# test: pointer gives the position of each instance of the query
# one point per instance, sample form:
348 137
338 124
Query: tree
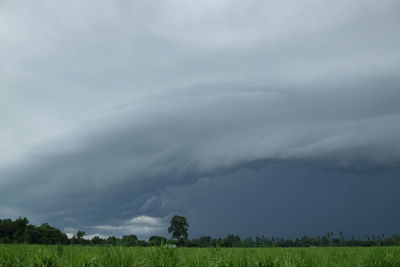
21 224
231 241
205 241
78 238
248 242
97 241
113 241
157 240
80 234
179 228
129 240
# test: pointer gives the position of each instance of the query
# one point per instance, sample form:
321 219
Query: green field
38 255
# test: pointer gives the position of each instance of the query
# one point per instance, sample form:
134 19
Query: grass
75 256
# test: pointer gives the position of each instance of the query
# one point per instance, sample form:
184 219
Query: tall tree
179 228
80 234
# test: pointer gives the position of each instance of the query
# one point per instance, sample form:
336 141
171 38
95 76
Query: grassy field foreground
48 256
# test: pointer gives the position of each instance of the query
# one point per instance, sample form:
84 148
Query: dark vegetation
20 231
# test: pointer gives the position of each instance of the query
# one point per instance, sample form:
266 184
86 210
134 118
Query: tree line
21 231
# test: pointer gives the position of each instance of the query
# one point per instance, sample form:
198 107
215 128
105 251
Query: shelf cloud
111 112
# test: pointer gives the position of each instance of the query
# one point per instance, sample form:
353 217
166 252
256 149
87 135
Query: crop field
49 256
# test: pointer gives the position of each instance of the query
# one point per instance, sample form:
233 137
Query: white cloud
90 237
146 220
143 226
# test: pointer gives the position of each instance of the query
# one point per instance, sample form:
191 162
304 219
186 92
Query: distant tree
7 230
44 234
78 238
129 240
113 241
231 241
21 224
80 234
248 242
157 240
141 243
204 241
97 241
179 229
20 231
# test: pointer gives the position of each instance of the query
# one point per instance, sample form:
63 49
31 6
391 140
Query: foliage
129 240
157 240
20 231
179 228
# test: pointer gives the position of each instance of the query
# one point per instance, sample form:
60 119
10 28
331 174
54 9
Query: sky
279 118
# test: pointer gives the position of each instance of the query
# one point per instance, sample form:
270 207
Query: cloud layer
110 105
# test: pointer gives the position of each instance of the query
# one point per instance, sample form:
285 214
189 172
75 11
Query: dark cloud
128 109
289 199
111 170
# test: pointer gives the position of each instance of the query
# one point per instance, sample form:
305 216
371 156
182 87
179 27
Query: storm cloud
114 112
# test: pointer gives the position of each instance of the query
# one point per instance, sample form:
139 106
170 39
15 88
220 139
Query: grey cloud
114 166
106 105
69 63
289 200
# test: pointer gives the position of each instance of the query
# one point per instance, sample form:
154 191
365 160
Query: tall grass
75 256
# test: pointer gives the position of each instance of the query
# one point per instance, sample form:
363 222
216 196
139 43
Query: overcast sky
249 117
